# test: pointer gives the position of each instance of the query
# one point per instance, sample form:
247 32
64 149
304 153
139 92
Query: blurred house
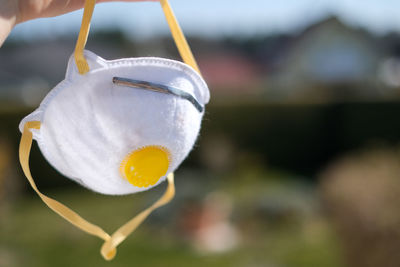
28 70
329 61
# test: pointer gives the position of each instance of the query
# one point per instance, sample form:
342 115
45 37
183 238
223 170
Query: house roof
229 70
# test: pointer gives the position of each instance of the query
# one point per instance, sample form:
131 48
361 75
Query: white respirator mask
118 127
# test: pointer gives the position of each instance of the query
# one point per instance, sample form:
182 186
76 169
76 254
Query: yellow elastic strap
80 60
179 37
108 249
124 231
177 34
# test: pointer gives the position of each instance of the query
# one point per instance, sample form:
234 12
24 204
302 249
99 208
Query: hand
13 12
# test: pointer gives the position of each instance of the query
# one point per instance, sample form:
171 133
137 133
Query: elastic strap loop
81 63
176 31
108 249
179 37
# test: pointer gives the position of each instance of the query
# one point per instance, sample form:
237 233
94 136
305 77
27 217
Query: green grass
32 235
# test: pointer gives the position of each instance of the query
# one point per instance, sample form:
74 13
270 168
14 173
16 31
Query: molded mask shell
89 125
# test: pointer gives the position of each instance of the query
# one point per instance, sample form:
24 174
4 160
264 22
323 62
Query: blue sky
222 17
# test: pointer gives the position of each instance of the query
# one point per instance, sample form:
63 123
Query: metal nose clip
158 88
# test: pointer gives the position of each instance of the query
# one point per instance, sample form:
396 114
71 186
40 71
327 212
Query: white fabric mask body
89 125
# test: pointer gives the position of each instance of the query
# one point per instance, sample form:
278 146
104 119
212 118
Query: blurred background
298 161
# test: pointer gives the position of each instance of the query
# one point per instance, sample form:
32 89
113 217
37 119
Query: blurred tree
362 194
